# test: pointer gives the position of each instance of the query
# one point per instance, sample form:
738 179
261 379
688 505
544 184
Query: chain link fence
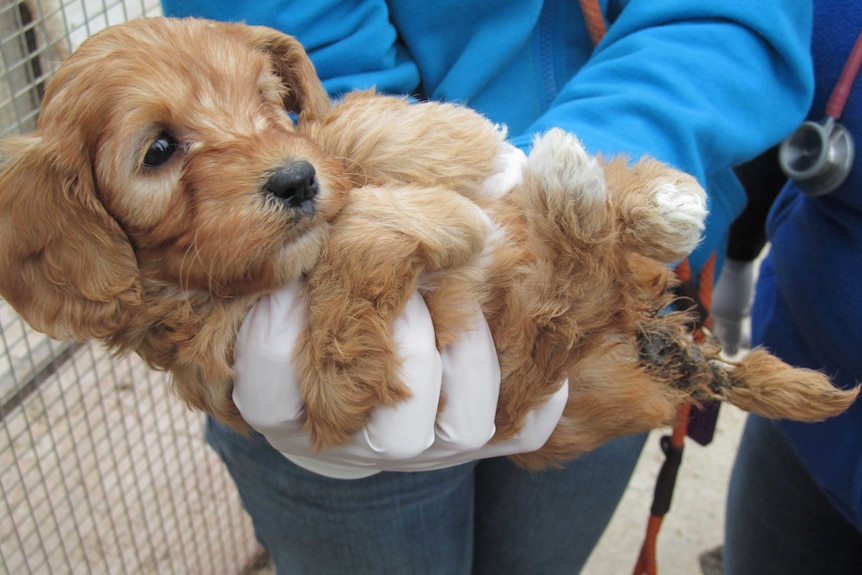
102 470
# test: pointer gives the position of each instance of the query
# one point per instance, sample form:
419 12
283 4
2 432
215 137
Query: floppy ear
65 264
305 94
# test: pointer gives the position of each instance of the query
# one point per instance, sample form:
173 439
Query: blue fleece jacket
807 307
703 85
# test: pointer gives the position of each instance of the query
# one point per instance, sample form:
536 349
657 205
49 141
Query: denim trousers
486 518
778 520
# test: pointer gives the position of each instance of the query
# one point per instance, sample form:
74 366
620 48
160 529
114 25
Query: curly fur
166 261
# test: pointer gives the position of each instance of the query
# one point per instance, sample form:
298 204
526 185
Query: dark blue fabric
807 307
778 520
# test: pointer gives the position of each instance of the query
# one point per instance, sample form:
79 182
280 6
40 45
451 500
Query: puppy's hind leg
567 285
564 194
662 209
570 227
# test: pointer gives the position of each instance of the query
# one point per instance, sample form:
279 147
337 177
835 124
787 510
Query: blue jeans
485 518
778 520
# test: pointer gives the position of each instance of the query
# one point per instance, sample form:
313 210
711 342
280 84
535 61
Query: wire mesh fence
102 470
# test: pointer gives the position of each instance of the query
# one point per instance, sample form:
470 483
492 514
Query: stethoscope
818 156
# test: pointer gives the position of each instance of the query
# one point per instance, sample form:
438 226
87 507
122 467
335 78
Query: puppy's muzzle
295 184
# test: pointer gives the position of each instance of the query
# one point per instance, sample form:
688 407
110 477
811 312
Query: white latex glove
409 436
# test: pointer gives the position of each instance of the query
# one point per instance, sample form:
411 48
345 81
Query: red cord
848 75
647 564
647 561
595 20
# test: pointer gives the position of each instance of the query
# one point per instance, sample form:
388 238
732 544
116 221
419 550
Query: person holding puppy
700 85
795 497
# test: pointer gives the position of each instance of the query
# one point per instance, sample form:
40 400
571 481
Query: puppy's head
165 155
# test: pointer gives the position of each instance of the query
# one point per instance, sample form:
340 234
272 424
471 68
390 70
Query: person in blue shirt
701 85
795 497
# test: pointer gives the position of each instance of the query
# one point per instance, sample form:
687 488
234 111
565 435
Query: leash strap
700 293
672 446
595 19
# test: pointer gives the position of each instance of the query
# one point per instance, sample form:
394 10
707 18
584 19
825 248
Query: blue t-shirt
700 84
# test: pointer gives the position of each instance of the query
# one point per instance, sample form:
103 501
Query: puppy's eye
160 151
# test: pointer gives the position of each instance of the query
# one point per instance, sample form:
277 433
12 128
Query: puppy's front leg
385 241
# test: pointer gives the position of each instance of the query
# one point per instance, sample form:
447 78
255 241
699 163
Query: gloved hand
410 436
731 304
406 437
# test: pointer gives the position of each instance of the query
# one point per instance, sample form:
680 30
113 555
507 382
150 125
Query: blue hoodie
701 84
807 304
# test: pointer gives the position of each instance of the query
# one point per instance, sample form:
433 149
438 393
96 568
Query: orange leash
672 447
700 293
595 19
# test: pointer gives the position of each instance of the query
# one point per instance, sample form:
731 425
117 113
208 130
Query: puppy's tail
760 383
763 384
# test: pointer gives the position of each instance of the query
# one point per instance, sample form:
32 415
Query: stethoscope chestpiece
818 156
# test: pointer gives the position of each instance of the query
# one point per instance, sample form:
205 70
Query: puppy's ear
305 94
65 264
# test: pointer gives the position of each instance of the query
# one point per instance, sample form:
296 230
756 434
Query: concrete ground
696 518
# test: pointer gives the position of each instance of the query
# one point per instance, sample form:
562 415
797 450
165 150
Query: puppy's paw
562 162
346 354
680 215
662 210
571 181
339 398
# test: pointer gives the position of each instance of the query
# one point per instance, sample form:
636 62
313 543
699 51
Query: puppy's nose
295 183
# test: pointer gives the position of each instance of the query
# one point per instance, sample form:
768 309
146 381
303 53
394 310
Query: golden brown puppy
163 193
167 189
572 280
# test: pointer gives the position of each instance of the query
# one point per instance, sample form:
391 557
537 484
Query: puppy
184 168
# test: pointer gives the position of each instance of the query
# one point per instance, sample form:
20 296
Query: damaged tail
759 383
763 384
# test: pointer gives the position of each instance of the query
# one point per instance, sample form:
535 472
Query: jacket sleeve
701 85
353 44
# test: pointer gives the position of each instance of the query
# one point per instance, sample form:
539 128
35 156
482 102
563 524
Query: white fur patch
510 164
683 210
494 239
563 162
